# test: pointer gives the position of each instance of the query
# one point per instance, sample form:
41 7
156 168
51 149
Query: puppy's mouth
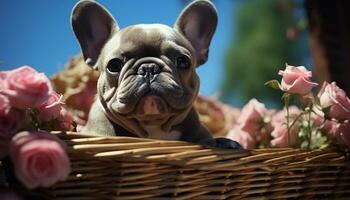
152 110
151 105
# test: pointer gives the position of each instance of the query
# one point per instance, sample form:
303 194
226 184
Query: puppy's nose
148 69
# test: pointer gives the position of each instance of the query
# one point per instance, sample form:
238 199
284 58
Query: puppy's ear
93 25
197 22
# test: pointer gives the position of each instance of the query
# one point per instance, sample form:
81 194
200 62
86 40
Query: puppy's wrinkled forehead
146 40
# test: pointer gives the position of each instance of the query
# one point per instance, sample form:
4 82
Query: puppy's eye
115 65
183 62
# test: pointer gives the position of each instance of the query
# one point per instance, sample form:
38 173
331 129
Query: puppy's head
148 73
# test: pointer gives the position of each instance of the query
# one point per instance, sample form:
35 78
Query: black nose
148 69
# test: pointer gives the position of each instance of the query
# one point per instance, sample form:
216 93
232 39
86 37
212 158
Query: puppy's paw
224 143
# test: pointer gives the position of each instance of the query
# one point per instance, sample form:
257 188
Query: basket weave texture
138 168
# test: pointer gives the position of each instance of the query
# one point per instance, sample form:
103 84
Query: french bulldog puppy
148 79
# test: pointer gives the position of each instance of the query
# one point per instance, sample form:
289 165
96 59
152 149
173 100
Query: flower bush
28 102
319 121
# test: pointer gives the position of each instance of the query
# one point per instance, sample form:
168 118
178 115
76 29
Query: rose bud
296 80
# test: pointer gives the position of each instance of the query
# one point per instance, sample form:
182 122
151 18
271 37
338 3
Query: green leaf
274 84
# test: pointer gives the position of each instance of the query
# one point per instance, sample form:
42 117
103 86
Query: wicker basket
138 168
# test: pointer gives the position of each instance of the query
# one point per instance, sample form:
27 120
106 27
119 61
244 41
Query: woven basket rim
132 168
185 154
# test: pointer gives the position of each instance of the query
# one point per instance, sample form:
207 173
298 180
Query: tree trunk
329 26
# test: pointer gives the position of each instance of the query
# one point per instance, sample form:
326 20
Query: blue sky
38 33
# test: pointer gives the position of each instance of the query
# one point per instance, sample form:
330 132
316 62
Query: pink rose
39 159
343 134
334 98
280 136
251 120
11 122
242 137
64 121
252 115
51 108
25 87
296 80
331 128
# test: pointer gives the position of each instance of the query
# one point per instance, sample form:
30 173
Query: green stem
309 128
286 104
34 118
296 119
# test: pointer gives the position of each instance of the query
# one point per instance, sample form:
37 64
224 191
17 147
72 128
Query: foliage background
268 34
